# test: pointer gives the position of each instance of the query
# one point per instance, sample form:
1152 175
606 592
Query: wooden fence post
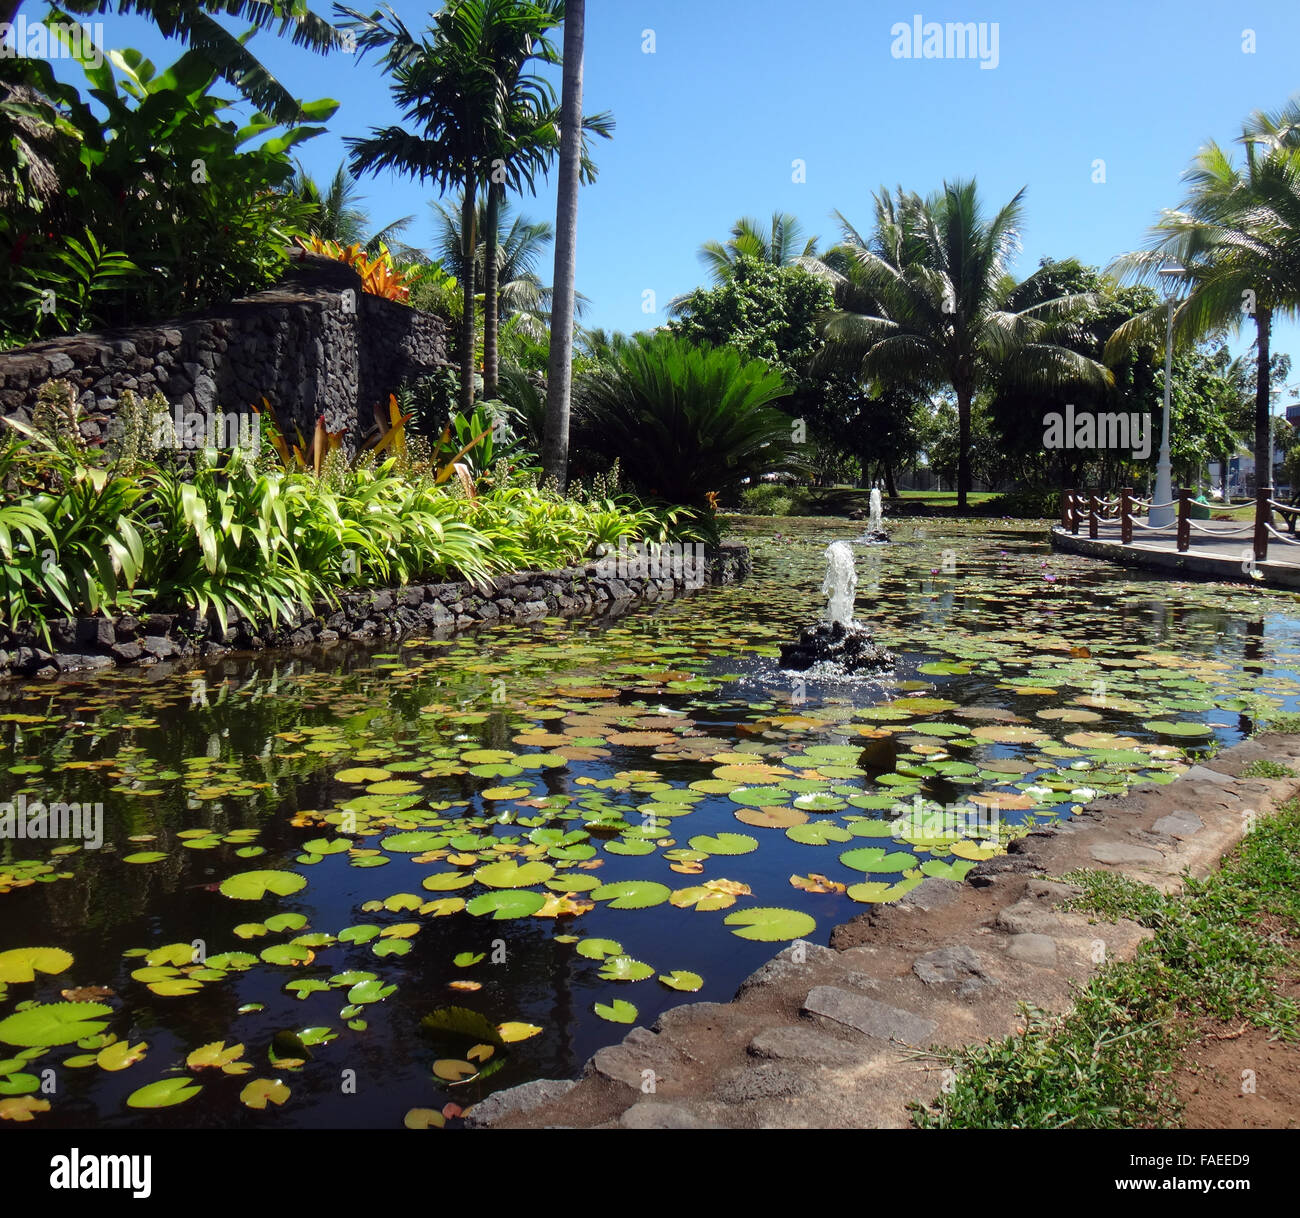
1184 519
1126 515
1065 511
1092 517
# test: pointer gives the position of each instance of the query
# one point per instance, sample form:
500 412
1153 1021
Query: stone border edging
839 1036
93 644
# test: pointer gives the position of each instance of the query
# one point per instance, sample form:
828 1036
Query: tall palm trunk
491 305
963 445
1263 387
8 11
467 244
555 446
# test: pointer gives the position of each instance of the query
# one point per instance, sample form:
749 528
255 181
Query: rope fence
1079 507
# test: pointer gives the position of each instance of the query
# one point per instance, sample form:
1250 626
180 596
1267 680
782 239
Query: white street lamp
1160 517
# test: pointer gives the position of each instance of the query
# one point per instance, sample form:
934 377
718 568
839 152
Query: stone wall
305 345
89 644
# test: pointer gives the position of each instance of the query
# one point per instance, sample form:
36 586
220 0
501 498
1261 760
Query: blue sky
711 122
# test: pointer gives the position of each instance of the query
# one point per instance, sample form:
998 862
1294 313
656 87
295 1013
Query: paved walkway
1219 549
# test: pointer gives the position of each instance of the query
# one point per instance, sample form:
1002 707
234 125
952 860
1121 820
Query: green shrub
83 531
170 200
1025 505
686 421
766 499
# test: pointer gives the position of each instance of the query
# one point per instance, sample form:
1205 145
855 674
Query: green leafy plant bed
473 861
264 538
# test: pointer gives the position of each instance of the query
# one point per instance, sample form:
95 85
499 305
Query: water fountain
838 641
875 533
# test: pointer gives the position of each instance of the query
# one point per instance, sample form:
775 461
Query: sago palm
684 420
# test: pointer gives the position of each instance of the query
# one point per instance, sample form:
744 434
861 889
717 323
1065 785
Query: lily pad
770 925
254 885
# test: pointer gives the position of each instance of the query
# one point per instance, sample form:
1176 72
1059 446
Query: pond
397 878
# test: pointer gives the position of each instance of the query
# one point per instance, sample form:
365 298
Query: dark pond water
528 769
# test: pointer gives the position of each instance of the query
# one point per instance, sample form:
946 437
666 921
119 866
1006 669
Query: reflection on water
1023 677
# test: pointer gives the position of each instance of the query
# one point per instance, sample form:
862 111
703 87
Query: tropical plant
224 537
929 302
92 549
159 176
685 421
1233 249
340 218
448 86
379 275
779 245
559 374
193 23
72 281
524 403
520 243
223 543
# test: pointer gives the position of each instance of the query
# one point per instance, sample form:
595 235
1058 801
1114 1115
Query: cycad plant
685 421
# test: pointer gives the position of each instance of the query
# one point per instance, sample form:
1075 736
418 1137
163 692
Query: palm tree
449 85
1236 239
340 218
192 22
779 245
520 243
936 305
559 386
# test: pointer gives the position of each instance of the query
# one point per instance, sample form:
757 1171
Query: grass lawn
945 497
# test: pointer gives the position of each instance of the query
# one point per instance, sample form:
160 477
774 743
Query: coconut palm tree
937 306
779 244
1236 239
520 244
339 216
559 385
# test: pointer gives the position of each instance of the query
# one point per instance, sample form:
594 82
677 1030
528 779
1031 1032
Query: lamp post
1161 517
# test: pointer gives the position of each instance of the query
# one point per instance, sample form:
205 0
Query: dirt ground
1236 1077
